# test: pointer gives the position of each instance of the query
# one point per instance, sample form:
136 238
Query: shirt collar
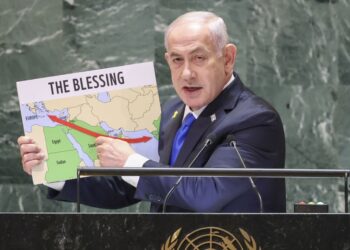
197 113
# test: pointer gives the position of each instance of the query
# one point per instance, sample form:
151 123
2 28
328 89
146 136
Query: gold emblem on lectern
210 238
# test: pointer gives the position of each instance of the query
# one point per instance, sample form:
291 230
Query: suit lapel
208 119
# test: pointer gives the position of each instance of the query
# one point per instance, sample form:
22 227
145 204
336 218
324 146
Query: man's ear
230 57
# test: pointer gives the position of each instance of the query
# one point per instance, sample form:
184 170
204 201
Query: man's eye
199 58
177 60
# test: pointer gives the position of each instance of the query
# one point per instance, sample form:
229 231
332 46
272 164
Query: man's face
198 73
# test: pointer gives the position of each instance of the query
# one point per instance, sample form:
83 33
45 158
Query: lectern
146 231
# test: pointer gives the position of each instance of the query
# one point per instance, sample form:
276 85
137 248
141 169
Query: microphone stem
252 183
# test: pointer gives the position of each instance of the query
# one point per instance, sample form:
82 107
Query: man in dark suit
212 104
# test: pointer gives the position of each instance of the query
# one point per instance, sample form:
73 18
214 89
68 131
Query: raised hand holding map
64 115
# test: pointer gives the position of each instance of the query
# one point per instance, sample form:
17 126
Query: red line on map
94 134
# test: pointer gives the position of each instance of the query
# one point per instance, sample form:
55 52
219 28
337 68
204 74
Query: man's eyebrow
199 49
196 50
174 54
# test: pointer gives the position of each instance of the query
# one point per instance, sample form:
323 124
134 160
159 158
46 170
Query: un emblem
210 238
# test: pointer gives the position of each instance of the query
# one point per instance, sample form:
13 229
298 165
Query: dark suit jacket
258 131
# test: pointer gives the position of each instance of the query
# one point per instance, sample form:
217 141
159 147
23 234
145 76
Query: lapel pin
175 114
213 117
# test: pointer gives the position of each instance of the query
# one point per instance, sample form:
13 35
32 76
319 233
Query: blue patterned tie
180 137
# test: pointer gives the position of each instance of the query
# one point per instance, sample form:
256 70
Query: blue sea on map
104 97
41 116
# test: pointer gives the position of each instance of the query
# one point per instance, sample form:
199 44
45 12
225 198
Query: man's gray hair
216 25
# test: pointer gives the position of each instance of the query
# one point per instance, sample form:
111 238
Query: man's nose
187 72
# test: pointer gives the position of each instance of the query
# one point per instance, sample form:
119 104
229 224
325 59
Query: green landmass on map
86 142
63 166
155 132
63 158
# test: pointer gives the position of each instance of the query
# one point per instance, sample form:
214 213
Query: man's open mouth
191 89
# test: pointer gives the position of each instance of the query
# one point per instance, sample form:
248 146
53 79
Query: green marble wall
295 53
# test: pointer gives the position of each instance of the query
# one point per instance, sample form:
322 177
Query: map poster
64 114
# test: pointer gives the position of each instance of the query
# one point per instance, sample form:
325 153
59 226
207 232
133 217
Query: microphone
232 142
210 140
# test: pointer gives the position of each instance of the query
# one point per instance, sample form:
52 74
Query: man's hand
112 152
32 155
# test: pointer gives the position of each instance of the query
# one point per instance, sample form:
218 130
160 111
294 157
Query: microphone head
211 138
230 138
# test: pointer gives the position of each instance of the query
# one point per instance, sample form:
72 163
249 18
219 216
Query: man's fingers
29 148
101 139
103 143
112 152
29 165
31 160
24 140
27 145
33 156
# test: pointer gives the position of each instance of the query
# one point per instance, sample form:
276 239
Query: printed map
66 128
